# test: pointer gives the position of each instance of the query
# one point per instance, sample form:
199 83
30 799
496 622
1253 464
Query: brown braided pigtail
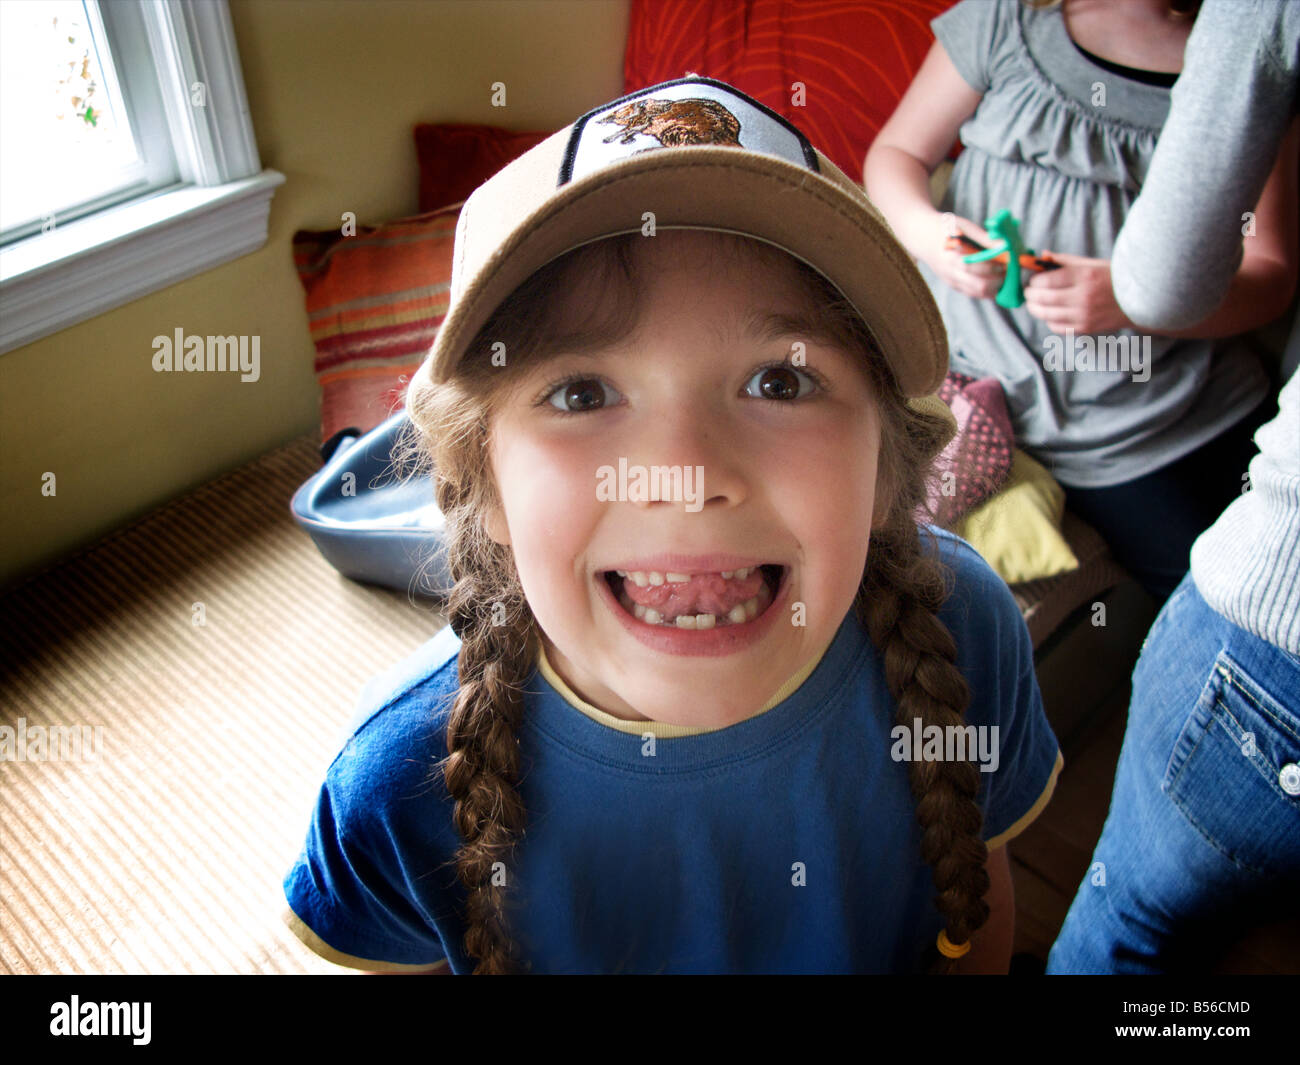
898 602
487 610
482 764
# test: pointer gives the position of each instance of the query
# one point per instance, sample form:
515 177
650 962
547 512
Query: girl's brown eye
576 396
777 382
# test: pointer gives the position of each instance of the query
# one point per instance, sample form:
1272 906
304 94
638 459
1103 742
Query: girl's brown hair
898 597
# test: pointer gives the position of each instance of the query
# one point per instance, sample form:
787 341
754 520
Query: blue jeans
1203 836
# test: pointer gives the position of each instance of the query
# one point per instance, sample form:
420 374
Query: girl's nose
696 438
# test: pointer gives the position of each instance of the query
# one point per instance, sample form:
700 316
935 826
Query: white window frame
219 213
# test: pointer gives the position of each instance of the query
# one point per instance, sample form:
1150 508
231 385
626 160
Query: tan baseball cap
693 154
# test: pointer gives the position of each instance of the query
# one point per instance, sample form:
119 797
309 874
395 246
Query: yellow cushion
1018 531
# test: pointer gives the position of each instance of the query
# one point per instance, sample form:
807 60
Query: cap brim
823 219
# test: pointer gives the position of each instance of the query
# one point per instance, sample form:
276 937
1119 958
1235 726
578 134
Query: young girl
742 717
1059 109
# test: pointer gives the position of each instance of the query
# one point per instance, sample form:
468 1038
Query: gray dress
1065 145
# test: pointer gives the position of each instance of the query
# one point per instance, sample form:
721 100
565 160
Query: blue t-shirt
786 843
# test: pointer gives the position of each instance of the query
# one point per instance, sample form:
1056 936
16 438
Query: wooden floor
1051 857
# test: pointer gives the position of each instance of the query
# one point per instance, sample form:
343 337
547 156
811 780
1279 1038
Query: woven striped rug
191 677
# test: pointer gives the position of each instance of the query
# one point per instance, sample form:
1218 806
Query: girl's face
775 433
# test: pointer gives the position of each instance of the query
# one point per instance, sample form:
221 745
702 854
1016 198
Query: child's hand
1078 297
980 281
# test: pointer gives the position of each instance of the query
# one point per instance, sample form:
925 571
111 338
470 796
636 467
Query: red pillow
457 159
854 59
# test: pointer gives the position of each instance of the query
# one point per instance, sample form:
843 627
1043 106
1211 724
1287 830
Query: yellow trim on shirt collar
662 729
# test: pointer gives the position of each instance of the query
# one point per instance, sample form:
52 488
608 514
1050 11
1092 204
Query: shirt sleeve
348 889
370 881
1181 243
972 33
1034 762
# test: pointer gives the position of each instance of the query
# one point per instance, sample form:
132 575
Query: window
69 142
127 159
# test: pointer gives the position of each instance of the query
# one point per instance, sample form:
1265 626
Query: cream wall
334 87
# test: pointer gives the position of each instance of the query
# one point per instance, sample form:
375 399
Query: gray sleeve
1181 243
972 34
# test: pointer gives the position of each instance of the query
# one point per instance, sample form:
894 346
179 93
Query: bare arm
897 170
990 951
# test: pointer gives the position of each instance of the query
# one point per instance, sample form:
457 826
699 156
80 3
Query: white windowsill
77 271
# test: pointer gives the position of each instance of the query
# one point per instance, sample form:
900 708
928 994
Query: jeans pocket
1229 765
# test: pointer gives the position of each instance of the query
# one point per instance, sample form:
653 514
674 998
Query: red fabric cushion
457 159
855 58
375 302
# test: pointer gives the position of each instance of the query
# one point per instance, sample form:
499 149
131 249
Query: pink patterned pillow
977 461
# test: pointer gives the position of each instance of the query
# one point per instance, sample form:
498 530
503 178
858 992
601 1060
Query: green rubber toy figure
1006 228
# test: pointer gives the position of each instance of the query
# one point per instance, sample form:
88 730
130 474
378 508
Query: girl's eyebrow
804 325
591 343
777 326
758 325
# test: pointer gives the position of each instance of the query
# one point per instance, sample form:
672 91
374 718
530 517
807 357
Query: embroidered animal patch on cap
686 113
674 123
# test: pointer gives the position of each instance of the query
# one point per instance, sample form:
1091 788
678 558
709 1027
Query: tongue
704 593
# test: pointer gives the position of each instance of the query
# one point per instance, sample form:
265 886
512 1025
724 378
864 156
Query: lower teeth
738 614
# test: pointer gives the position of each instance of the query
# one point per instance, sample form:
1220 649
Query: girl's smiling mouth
696 600
695 611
